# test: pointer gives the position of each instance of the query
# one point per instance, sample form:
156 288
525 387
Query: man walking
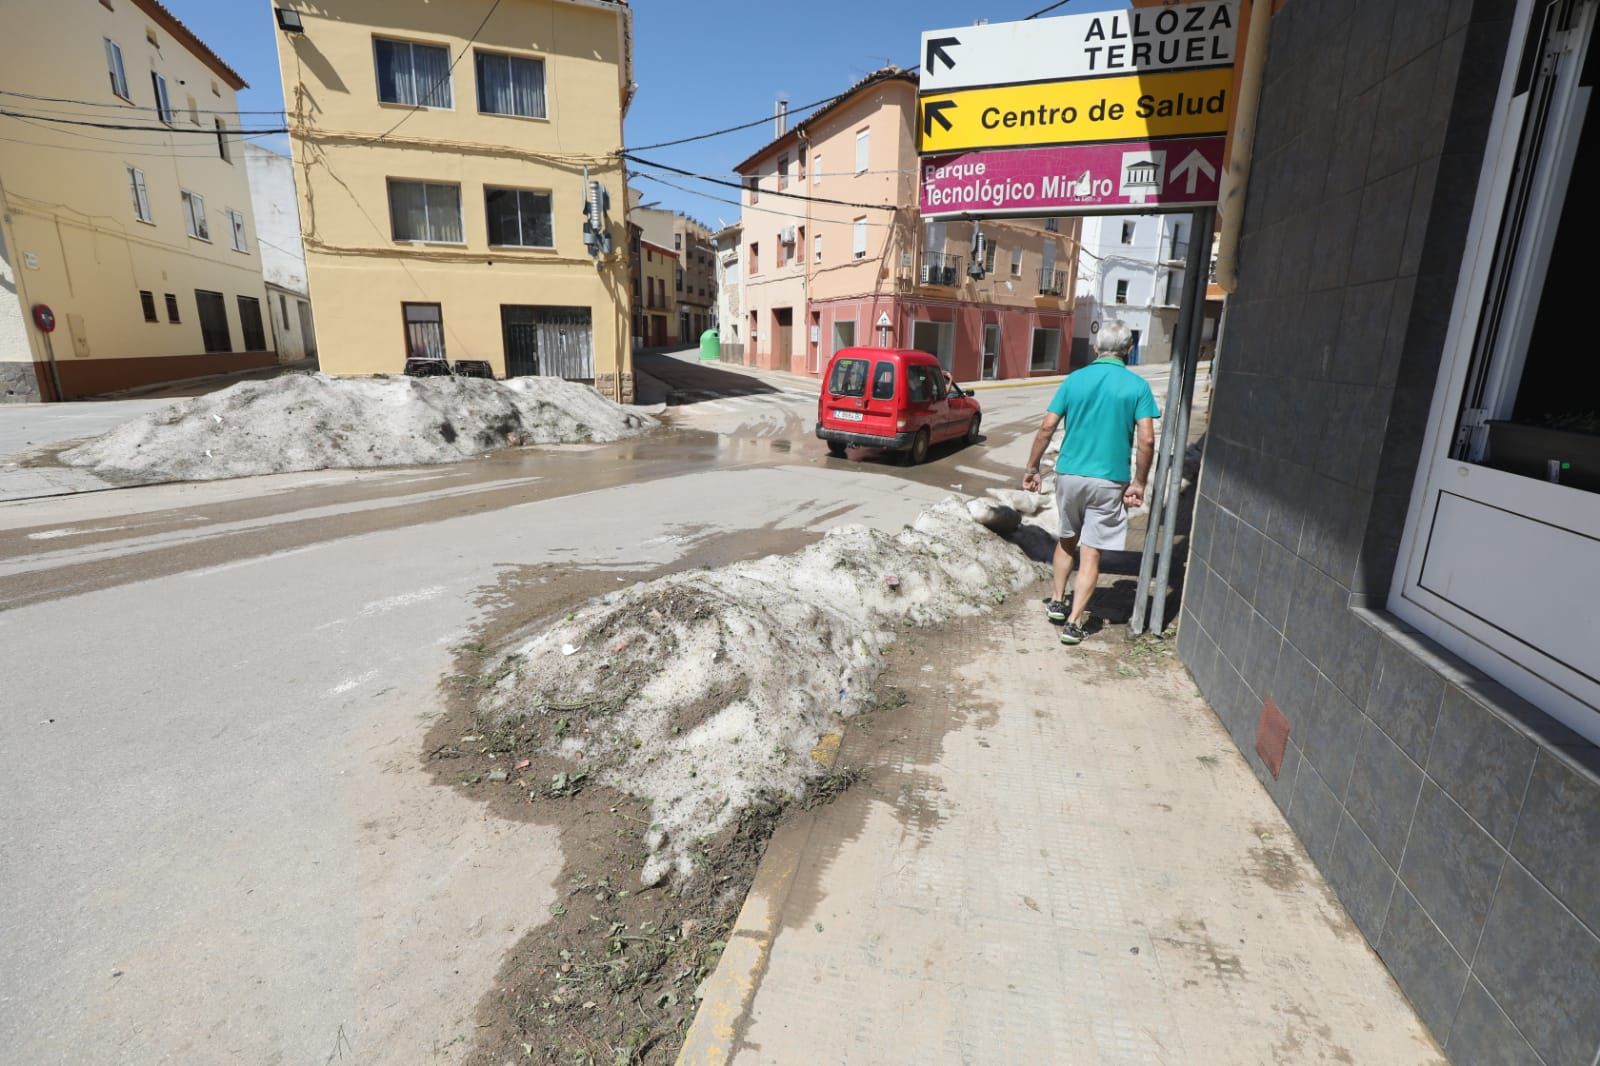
1106 407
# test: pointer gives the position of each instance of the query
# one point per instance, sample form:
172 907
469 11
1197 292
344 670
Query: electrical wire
735 203
1046 10
163 128
733 129
447 74
122 106
767 192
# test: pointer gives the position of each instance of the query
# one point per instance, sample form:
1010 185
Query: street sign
44 318
884 321
1182 103
1077 179
1094 45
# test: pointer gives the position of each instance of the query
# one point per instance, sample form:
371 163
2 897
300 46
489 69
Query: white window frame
549 194
1556 687
118 70
1033 340
236 233
1130 233
816 248
158 82
858 234
983 354
863 150
816 168
509 57
1016 261
141 196
194 216
448 83
461 211
1123 285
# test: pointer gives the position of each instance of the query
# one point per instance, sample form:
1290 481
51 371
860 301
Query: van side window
883 381
919 385
939 391
849 378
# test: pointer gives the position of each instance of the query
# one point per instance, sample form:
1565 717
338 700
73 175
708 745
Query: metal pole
1205 221
1155 493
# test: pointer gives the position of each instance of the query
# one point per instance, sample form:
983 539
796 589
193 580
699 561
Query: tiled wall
1459 825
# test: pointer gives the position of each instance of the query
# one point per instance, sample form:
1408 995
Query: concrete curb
731 988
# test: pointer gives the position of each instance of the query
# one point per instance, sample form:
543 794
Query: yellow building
139 241
658 266
441 169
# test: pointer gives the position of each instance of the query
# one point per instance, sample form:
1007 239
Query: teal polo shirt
1101 404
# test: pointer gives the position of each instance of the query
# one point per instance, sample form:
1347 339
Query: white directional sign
1095 45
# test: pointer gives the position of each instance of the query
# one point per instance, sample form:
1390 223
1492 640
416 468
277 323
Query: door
550 341
814 344
782 336
213 321
935 338
991 352
306 332
844 336
925 409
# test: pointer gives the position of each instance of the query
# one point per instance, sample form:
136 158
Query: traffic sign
1182 103
1095 45
1076 179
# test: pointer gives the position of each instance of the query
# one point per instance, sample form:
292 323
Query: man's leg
1088 575
1066 556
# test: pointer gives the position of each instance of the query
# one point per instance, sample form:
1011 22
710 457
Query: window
163 101
424 330
519 218
255 334
417 75
1122 291
991 352
1046 349
119 74
147 300
172 308
1174 288
816 169
1127 232
755 258
511 85
883 381
213 321
1052 225
858 249
800 244
426 213
919 384
151 38
849 378
800 166
990 251
678 271
816 248
863 150
222 140
844 335
236 231
194 110
753 182
677 242
783 172
194 215
1016 261
141 196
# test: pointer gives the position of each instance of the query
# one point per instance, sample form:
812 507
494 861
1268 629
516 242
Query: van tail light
901 424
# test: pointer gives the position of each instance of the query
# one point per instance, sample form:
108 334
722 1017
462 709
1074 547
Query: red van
892 398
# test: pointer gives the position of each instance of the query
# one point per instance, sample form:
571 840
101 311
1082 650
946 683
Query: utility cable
765 192
1046 10
733 129
447 74
735 203
122 106
163 128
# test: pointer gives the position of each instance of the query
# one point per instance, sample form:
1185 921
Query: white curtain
444 213
430 68
413 74
510 85
408 211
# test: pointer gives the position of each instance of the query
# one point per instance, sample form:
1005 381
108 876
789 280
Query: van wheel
919 449
836 449
972 430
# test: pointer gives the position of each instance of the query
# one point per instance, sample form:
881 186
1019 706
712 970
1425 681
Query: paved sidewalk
1056 857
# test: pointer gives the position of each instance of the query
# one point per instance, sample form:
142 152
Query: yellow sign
1183 103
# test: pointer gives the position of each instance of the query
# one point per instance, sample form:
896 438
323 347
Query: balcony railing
1052 282
941 269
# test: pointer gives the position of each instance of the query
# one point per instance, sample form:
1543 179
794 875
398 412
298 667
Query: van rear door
860 395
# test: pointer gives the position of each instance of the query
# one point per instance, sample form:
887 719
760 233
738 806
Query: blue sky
700 64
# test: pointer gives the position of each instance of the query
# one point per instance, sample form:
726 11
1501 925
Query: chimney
780 117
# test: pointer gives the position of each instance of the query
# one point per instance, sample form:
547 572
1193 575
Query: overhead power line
123 106
735 203
126 127
1046 10
765 192
733 129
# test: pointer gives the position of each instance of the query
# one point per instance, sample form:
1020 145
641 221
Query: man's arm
1145 438
1041 441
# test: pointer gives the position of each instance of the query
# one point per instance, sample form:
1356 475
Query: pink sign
1105 178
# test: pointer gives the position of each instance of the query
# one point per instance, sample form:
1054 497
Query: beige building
442 183
136 244
867 270
658 265
730 293
694 290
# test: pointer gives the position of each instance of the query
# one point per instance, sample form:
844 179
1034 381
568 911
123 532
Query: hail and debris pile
707 691
315 422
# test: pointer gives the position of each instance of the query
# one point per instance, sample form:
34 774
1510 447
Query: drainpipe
1236 180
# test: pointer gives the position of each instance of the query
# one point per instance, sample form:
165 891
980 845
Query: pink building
836 255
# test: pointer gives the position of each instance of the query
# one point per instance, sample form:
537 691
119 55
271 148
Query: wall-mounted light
289 20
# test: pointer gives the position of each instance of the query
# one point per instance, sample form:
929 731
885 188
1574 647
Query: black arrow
936 50
934 112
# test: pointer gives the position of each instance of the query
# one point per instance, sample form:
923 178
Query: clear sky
700 64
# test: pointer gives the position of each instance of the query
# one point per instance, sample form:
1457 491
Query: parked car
893 398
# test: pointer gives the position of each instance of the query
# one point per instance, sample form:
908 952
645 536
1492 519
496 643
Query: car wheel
919 449
836 449
972 430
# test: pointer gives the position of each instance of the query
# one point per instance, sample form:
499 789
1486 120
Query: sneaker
1074 632
1056 610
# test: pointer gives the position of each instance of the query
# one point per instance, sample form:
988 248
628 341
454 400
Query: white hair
1114 339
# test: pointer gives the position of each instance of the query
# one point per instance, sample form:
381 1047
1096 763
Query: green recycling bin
710 346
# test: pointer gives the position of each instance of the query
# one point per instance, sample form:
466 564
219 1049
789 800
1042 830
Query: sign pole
1205 223
1155 491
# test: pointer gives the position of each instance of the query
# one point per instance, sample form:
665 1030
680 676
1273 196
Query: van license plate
847 416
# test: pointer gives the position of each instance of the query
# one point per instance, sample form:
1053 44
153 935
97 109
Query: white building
1131 267
730 293
283 256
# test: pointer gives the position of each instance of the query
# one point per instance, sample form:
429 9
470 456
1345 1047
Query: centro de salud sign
1096 112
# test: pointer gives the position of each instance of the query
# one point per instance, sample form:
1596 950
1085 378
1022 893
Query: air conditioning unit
787 235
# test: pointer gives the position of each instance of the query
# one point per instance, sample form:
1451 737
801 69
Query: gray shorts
1092 510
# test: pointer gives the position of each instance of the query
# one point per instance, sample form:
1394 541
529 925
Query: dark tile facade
1458 825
